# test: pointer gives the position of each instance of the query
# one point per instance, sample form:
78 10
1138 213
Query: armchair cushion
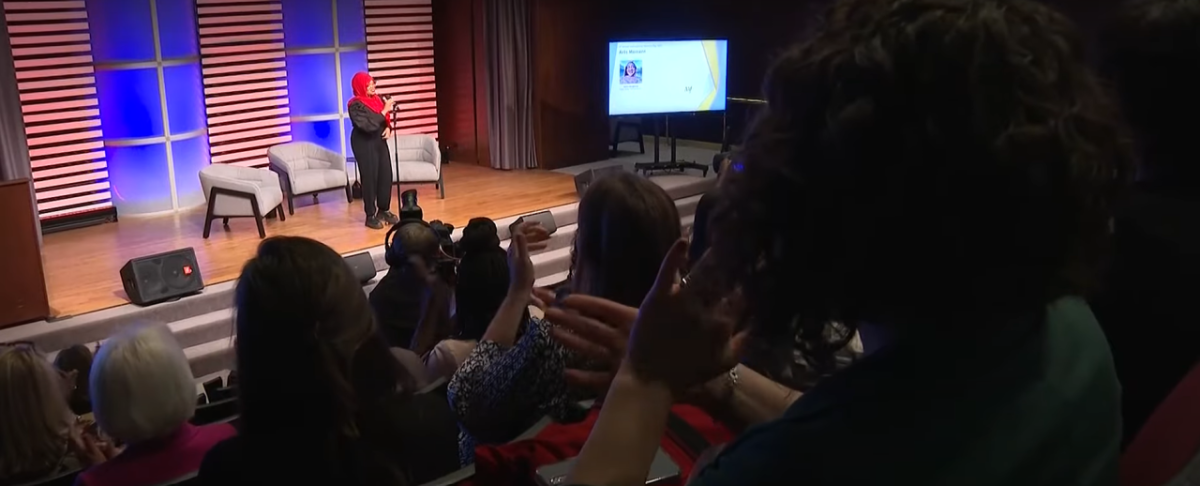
262 184
420 159
308 167
312 180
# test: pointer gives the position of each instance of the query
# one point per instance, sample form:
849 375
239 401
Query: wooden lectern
23 286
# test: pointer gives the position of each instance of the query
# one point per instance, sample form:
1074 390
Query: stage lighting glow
312 84
130 106
352 62
350 23
324 133
120 31
190 155
185 97
176 29
307 24
140 182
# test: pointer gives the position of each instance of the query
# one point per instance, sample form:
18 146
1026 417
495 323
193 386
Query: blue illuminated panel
349 149
323 133
352 62
177 29
312 84
190 155
185 97
130 106
350 22
307 23
140 182
120 30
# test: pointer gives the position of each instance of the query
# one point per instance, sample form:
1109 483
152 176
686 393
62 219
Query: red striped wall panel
245 83
400 57
52 53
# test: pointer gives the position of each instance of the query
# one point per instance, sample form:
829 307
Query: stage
82 265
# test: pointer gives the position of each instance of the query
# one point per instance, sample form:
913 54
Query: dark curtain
508 34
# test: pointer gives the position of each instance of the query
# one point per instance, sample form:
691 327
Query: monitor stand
672 165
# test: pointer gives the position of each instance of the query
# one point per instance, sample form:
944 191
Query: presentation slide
648 77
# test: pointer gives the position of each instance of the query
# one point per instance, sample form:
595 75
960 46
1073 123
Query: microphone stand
395 152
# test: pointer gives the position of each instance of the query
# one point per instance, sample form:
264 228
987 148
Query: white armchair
308 168
240 192
419 160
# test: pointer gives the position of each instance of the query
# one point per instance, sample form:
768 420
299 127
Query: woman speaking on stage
371 117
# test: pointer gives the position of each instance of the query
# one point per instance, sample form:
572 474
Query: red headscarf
359 84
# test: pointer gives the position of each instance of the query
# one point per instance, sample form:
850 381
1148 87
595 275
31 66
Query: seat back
216 411
415 148
1166 450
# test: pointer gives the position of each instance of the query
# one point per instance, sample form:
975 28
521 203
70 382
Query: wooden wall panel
570 89
245 80
400 58
52 54
462 110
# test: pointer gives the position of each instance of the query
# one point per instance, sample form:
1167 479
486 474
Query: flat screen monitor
656 77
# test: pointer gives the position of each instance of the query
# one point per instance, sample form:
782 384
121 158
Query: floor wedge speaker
161 277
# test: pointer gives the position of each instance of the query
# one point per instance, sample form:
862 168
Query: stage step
204 324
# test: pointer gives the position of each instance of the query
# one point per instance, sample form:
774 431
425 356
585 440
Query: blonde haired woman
143 394
37 425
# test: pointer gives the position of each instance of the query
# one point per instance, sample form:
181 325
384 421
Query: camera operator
413 294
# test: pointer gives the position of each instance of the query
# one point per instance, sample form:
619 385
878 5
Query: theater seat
1166 452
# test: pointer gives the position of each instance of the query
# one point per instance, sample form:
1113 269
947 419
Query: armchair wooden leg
208 216
225 222
349 194
258 218
279 210
441 185
291 208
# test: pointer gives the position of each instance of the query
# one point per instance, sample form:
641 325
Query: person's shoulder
765 454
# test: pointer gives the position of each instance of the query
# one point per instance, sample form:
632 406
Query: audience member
514 377
937 175
1153 57
704 209
482 285
144 395
75 363
38 433
322 399
410 292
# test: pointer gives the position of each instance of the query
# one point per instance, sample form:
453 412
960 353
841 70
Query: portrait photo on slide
631 71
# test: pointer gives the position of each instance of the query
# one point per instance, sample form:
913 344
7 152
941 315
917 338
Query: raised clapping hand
675 338
529 237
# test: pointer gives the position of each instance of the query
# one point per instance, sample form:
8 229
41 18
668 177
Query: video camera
411 213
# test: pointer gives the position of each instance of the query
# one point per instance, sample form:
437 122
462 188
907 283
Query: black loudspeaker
545 218
363 266
165 276
582 181
585 179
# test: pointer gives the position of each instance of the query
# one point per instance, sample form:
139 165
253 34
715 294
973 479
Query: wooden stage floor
82 265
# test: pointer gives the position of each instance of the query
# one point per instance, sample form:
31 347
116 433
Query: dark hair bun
479 235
